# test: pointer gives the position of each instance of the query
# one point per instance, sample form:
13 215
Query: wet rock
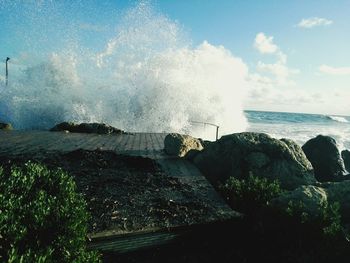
191 154
339 192
179 145
313 198
323 153
309 199
346 158
5 126
99 128
241 154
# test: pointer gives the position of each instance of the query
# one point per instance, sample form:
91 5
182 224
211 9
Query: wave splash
147 78
338 119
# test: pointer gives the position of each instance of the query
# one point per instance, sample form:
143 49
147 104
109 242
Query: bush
289 235
42 217
248 195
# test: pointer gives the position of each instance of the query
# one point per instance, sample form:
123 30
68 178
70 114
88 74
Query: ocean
300 127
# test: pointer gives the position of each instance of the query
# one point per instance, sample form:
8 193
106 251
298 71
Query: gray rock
314 197
241 154
179 145
257 159
323 153
339 192
191 154
311 197
346 158
5 126
99 128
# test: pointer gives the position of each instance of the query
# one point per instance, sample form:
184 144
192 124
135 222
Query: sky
297 52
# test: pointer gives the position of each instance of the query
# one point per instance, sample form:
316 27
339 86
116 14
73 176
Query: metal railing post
211 124
7 71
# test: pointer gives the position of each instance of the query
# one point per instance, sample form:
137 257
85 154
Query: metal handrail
211 124
7 71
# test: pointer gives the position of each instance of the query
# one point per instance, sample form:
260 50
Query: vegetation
42 217
289 235
249 194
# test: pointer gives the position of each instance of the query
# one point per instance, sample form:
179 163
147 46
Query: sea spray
147 77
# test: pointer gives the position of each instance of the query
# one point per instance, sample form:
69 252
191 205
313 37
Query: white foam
339 119
147 78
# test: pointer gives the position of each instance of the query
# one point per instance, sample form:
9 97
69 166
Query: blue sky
297 52
319 54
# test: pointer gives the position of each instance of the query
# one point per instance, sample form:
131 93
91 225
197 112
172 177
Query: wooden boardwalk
137 144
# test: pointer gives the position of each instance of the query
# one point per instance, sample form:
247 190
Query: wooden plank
142 144
134 241
130 242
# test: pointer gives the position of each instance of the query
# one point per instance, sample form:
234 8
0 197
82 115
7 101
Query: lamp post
7 71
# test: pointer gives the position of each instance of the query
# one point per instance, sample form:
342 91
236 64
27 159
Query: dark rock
312 198
99 128
339 192
64 126
179 145
241 154
5 126
205 143
323 153
346 158
191 154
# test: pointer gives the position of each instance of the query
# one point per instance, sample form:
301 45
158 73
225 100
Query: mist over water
144 76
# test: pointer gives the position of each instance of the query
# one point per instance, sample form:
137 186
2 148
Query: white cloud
279 70
268 95
314 21
265 44
334 70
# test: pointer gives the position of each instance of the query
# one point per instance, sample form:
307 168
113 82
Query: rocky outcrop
241 154
311 199
323 153
306 198
99 128
5 127
179 145
346 158
339 192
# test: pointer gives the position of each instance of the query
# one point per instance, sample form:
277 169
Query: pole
7 71
211 124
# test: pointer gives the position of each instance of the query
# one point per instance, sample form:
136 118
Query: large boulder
179 145
323 153
345 154
306 198
241 154
99 128
339 192
5 126
313 198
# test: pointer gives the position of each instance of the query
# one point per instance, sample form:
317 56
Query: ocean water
300 127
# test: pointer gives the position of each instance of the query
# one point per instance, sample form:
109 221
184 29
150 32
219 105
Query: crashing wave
147 78
338 119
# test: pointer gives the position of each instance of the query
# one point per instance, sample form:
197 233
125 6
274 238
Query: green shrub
247 195
289 235
42 217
